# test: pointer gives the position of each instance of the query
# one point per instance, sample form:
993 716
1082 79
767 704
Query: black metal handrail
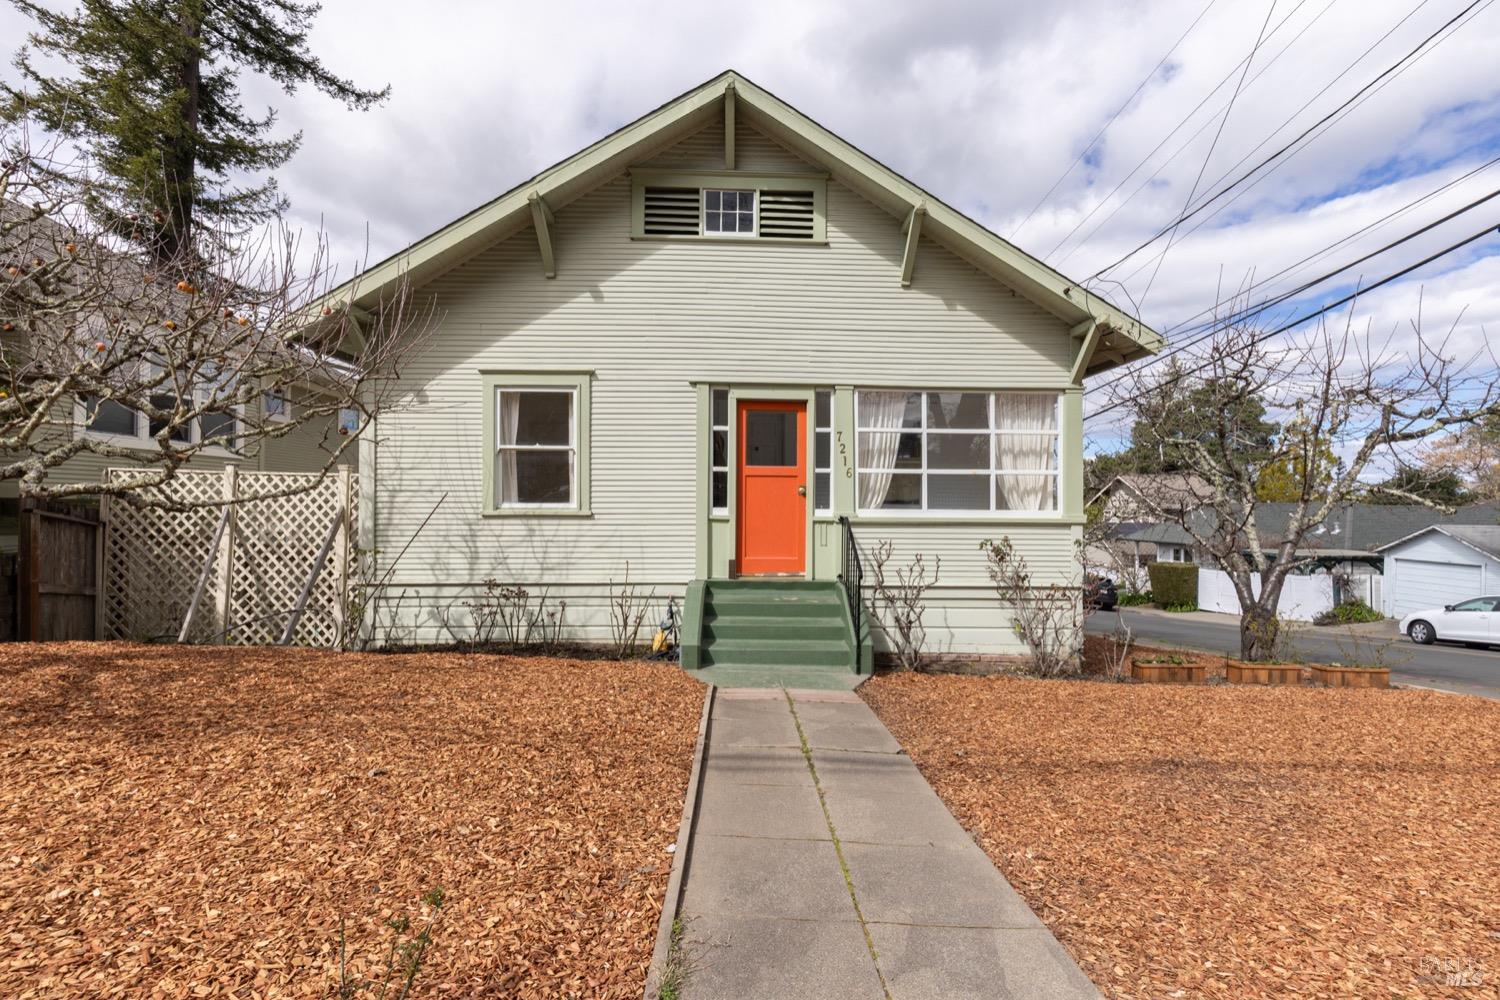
853 576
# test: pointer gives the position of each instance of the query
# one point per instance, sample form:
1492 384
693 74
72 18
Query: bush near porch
1224 841
180 821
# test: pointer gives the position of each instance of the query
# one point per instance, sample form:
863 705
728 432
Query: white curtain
1035 416
510 419
882 411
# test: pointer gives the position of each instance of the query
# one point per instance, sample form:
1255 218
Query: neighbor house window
134 428
823 452
278 407
956 452
348 421
729 213
536 448
719 451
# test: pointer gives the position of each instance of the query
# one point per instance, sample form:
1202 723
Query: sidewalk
822 865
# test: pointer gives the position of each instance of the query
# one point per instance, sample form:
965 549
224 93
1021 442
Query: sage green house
706 353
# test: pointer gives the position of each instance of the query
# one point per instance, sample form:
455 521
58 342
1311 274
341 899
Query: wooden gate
60 556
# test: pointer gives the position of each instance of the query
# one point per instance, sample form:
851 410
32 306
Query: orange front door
773 488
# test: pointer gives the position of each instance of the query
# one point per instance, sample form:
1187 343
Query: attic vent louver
671 211
787 215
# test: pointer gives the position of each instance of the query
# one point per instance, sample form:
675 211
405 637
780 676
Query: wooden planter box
1351 677
1190 672
1262 673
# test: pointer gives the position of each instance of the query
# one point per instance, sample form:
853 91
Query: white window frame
822 430
574 482
280 395
142 438
992 431
728 448
736 235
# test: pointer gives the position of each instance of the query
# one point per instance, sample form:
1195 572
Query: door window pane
771 438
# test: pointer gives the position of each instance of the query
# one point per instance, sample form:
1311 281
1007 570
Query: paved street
1444 666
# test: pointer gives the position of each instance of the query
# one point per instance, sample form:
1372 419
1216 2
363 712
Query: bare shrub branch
899 601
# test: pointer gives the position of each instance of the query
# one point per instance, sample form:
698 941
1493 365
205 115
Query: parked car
1099 593
1475 621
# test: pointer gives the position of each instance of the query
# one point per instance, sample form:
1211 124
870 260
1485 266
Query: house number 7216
843 455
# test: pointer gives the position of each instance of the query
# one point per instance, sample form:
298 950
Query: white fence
248 561
1302 597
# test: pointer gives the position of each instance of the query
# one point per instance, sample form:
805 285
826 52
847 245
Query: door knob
802 491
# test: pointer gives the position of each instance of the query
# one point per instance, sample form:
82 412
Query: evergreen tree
153 94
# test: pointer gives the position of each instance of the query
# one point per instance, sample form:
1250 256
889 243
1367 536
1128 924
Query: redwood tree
151 93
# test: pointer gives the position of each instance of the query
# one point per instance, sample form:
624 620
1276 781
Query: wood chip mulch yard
196 822
1229 842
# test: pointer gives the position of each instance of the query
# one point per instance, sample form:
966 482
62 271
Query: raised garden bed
1170 669
1237 672
204 821
1334 675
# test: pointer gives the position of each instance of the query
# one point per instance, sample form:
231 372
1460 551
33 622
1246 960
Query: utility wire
1118 112
1248 312
1261 338
1344 114
1228 110
1276 155
1147 182
1182 124
1292 268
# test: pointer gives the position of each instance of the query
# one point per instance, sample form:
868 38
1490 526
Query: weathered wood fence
59 554
243 566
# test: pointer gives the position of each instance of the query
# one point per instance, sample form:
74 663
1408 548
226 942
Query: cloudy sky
991 105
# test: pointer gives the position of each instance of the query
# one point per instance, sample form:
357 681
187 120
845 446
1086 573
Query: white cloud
984 103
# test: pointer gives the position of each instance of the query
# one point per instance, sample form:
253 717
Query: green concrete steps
769 624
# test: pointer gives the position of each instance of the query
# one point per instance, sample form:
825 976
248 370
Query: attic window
784 208
729 213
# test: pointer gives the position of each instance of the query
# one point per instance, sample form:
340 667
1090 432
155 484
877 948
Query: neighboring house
304 448
682 355
1137 519
1439 565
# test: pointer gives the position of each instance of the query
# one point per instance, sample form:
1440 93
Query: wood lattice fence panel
257 572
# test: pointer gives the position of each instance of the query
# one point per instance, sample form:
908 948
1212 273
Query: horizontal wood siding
649 318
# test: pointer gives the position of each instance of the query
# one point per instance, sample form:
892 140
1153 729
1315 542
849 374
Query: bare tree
176 359
1336 390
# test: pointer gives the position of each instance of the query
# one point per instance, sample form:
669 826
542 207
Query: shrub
1179 608
1174 583
1133 598
901 600
1047 617
1347 614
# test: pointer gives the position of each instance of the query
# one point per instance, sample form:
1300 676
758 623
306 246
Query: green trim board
580 382
1125 337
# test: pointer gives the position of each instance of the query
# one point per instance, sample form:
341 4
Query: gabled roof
1160 488
1484 538
1113 336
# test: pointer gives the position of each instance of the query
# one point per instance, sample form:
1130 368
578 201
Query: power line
1185 119
1119 111
1146 183
1228 110
1276 155
1261 338
1340 116
1242 315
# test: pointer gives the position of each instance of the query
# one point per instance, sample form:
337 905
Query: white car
1474 621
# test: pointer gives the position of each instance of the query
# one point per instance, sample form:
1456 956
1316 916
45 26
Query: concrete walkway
822 865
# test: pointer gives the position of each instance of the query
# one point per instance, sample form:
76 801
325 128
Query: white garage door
1421 585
